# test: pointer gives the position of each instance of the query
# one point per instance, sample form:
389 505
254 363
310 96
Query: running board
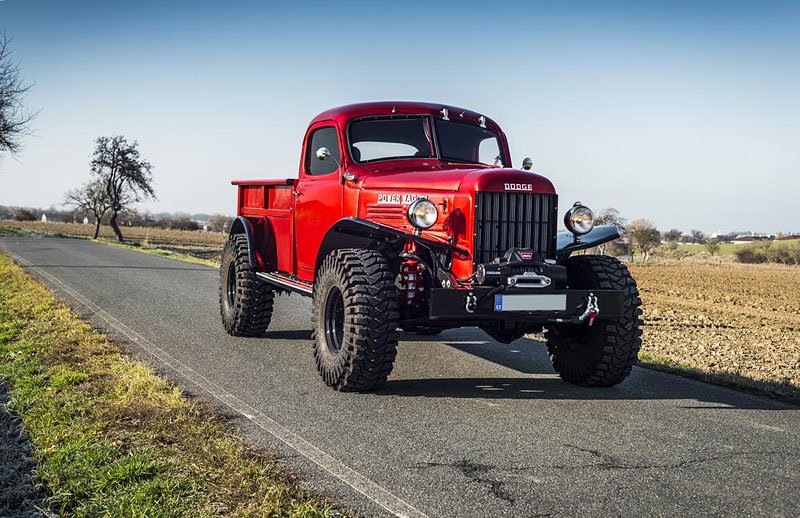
287 283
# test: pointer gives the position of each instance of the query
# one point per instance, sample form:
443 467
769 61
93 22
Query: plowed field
738 323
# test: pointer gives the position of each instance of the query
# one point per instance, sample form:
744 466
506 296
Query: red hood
449 178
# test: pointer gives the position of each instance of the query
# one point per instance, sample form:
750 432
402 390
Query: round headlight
579 219
422 213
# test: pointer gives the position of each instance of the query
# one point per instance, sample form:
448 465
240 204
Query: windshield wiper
461 161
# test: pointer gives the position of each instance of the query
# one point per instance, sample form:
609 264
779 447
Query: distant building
749 238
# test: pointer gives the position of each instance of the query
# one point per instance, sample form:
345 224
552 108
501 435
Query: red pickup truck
409 216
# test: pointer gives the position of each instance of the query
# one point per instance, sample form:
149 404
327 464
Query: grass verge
111 438
780 391
180 253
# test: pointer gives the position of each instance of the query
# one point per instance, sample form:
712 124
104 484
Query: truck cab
410 216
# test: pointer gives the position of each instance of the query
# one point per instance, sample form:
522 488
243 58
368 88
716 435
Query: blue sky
686 113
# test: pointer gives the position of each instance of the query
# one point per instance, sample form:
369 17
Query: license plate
542 302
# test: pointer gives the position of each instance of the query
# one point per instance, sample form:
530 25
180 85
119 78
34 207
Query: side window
323 137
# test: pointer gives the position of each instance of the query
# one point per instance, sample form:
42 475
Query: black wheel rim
334 320
230 286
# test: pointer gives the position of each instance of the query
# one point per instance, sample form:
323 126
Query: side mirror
527 164
323 153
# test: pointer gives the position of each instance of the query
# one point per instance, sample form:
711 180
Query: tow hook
592 310
472 303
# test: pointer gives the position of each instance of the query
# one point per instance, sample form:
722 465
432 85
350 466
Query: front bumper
481 303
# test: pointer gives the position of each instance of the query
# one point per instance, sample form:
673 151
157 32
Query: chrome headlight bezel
579 219
422 213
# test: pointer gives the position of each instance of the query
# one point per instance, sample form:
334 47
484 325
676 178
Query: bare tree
127 177
90 197
644 237
14 120
610 216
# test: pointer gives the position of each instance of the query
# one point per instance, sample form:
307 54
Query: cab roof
344 114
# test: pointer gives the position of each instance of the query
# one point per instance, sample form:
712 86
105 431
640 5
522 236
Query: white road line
378 494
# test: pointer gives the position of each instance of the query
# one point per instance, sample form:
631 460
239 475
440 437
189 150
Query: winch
521 268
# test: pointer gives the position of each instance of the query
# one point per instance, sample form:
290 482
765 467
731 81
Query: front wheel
355 320
603 354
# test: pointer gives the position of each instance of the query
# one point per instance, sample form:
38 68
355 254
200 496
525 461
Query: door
318 198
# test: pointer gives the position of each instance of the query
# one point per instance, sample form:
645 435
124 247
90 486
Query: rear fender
567 242
242 225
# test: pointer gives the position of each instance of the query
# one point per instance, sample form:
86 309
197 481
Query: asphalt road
464 427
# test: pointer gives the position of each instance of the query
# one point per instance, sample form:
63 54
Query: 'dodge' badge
518 186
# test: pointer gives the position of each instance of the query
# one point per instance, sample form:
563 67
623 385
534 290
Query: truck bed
269 206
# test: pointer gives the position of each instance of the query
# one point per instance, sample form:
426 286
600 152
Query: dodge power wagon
409 216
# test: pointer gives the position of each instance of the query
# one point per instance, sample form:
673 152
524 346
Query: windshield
461 142
393 138
386 139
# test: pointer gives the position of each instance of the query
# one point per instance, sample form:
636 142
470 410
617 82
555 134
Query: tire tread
369 347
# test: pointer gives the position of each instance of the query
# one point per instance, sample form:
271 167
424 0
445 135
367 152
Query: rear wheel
603 354
245 300
355 318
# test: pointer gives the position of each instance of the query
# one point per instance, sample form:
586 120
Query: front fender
354 232
566 243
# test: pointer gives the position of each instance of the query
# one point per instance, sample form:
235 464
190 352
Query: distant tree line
696 237
640 238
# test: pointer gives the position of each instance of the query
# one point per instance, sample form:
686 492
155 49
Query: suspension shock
410 283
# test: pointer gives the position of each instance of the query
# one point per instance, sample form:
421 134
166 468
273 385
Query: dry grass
112 439
738 324
137 234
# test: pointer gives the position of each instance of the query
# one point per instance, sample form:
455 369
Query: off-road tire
362 356
604 354
247 308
